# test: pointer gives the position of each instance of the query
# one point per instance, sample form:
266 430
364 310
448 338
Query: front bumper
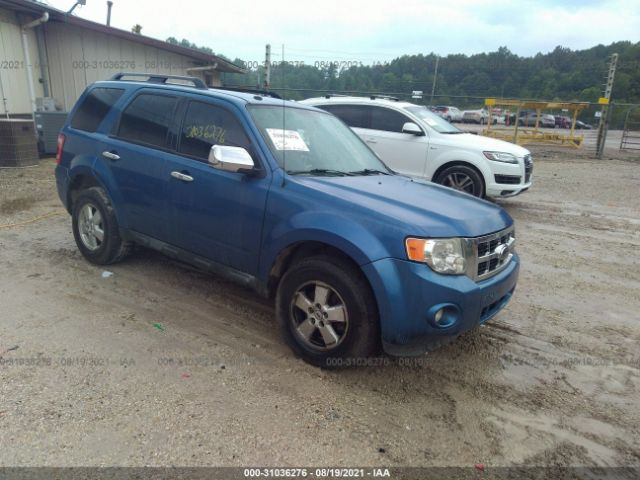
496 190
407 292
508 180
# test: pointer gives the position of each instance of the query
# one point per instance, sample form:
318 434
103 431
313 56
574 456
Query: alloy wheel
460 181
319 316
91 226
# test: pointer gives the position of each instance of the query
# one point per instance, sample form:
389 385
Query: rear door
213 213
135 155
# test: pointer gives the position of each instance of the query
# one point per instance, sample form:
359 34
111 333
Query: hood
408 206
480 142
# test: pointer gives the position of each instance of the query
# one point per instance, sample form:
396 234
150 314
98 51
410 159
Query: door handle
371 140
182 176
111 155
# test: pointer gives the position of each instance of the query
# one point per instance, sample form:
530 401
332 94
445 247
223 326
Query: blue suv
283 198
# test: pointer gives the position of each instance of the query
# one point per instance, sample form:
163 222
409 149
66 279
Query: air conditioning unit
46 104
48 125
18 143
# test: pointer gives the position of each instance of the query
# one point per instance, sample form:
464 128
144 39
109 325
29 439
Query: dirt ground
161 365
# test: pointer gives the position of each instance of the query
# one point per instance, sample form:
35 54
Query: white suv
414 141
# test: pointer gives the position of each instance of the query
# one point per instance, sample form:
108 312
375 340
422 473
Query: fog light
444 315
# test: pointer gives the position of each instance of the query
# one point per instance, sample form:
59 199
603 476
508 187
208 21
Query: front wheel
463 178
327 312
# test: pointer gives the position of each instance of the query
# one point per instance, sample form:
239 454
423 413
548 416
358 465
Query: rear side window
147 118
387 119
206 125
94 108
356 116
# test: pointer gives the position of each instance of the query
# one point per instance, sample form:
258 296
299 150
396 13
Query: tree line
463 80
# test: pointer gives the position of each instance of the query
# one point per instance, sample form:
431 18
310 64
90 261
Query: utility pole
267 66
109 7
433 87
606 110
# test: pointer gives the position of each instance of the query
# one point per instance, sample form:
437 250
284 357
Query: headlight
501 157
443 255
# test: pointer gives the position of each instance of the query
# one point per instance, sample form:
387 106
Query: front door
214 213
404 152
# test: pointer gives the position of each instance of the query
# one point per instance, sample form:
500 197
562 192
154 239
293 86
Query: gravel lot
159 364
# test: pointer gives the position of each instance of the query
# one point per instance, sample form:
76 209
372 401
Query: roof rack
257 91
384 97
161 79
330 95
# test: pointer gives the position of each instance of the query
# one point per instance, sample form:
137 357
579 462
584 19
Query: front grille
493 252
508 179
528 168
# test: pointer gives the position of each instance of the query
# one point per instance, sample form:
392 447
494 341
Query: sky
372 31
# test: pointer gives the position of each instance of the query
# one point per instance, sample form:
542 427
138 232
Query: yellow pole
573 123
517 122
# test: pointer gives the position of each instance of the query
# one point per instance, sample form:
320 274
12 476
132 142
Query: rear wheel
95 228
462 178
327 313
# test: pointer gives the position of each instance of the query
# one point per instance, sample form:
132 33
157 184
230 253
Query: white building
45 52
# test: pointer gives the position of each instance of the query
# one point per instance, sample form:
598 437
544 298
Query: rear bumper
407 293
62 184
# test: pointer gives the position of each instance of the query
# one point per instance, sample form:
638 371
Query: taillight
61 139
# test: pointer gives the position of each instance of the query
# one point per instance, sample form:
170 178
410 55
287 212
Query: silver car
450 114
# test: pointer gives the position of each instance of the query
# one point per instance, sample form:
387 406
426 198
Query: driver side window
206 125
387 120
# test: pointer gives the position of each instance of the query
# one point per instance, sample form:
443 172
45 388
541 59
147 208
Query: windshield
314 143
436 122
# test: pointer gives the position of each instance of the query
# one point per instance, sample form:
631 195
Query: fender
340 232
85 165
458 156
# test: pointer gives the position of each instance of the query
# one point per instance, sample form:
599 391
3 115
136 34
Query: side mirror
412 129
230 159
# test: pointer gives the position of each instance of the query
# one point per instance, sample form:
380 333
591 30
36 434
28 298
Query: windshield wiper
454 132
369 171
319 171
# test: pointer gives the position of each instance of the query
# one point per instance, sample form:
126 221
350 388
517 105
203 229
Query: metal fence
631 130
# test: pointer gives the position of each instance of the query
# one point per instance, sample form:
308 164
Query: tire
449 119
463 178
95 228
343 293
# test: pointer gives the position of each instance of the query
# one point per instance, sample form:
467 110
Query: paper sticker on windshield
431 122
287 140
